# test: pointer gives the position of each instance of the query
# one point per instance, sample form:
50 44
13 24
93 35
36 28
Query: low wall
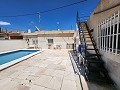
7 45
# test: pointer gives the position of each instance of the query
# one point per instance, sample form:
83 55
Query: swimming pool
9 58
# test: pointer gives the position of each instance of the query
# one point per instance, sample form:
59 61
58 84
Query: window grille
50 40
108 37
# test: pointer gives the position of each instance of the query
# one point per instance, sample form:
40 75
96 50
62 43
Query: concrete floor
49 70
90 85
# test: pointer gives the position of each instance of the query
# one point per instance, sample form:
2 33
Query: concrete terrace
49 70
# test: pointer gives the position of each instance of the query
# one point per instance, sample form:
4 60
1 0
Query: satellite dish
37 29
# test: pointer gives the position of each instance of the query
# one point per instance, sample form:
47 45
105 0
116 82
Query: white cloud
4 23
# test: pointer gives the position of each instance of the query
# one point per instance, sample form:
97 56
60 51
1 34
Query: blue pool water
10 56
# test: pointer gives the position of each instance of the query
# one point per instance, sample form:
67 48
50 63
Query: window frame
108 34
50 41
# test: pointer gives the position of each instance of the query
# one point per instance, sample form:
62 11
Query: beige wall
113 65
97 18
43 43
112 61
59 38
7 45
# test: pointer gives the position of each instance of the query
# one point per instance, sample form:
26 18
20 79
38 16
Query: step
93 60
96 69
91 49
87 37
86 34
92 55
90 44
85 31
88 41
98 78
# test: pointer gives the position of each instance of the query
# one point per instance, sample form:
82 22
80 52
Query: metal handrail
81 37
93 42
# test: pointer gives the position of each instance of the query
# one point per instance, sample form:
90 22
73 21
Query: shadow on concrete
87 85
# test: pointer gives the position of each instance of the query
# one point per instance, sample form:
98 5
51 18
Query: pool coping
6 65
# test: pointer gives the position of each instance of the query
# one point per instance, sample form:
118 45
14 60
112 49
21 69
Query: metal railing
81 38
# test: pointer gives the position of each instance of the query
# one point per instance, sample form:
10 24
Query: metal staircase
93 63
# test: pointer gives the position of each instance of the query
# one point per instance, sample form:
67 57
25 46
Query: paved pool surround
30 52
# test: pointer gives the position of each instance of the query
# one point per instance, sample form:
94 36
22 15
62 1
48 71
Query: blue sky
48 21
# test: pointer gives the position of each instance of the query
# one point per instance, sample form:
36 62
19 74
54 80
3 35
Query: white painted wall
43 43
112 61
7 45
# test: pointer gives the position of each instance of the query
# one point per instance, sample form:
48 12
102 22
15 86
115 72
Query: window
50 40
109 34
34 41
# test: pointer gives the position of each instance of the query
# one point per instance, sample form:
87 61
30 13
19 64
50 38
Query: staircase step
88 41
85 31
96 69
86 34
91 49
94 60
90 44
99 78
92 55
87 37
